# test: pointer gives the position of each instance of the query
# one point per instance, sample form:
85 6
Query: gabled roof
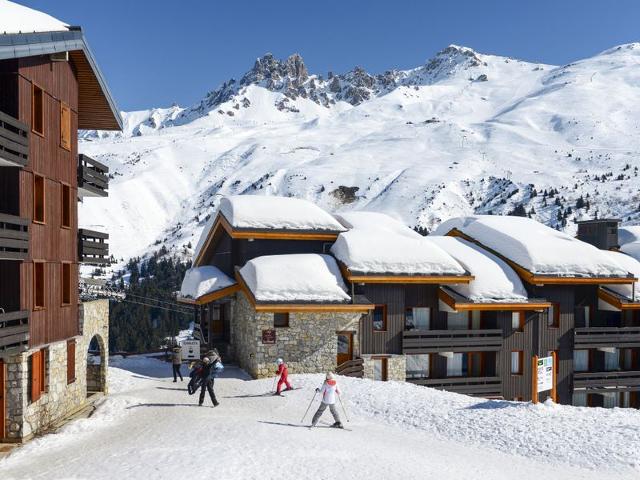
26 33
460 303
206 284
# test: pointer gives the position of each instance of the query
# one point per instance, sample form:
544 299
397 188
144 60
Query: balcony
618 381
14 237
434 341
600 337
481 386
93 180
14 142
14 332
93 248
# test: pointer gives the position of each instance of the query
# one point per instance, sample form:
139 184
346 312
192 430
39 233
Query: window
280 320
418 366
37 377
38 199
475 320
380 369
457 365
417 318
517 321
612 360
581 360
380 318
553 318
65 207
65 126
587 316
38 286
66 283
458 321
37 110
71 361
517 362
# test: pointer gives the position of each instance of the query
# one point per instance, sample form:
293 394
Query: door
217 322
345 347
3 406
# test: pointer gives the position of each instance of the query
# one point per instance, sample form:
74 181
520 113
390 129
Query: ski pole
343 409
310 403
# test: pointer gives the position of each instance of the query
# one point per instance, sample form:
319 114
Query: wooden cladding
37 110
65 126
38 286
65 206
37 375
71 361
39 202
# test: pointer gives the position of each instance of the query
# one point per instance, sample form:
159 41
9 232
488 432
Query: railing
351 368
433 341
93 248
14 237
483 386
93 180
14 331
599 337
14 142
621 381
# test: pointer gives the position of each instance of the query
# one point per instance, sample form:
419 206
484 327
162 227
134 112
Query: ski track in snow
148 427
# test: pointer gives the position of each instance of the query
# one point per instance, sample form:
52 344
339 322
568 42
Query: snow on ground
148 427
305 277
200 281
535 246
20 19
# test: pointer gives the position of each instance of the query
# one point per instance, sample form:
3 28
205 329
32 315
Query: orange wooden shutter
65 127
36 363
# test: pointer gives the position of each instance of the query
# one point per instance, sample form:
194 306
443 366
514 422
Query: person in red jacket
283 371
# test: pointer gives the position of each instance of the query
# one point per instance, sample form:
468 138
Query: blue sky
155 53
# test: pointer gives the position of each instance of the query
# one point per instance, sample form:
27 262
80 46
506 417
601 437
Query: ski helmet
279 361
206 360
329 376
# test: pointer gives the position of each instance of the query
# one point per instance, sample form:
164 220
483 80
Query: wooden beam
211 297
616 301
487 307
413 279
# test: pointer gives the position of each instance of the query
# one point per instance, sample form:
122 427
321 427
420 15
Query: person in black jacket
209 371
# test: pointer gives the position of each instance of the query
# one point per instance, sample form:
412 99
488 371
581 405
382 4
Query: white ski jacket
328 392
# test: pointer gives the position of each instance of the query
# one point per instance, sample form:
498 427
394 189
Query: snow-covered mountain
463 133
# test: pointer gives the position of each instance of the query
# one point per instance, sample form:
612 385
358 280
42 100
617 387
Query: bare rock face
345 195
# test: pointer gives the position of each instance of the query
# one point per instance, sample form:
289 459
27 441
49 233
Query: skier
176 361
329 390
283 371
212 366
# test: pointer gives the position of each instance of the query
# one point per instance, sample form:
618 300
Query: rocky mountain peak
276 74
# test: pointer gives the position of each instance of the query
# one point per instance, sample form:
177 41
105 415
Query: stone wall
396 367
26 418
308 344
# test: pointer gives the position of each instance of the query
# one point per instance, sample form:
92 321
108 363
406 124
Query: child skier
283 371
328 391
211 368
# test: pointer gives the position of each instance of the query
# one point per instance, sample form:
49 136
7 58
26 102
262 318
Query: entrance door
217 321
345 347
3 406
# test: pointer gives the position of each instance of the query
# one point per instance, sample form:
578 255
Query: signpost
544 376
190 349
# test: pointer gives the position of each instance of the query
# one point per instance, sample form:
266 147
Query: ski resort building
53 347
465 309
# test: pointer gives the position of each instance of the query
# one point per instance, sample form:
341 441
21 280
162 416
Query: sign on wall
544 369
190 349
269 336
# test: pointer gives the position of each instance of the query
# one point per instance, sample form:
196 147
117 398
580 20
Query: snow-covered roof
628 234
258 212
494 280
632 249
295 278
632 266
201 281
15 18
378 244
535 247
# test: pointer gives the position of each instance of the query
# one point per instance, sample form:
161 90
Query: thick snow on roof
306 277
632 266
632 249
534 246
494 280
200 281
276 213
16 18
629 234
378 244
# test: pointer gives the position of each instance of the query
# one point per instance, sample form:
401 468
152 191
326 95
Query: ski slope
150 428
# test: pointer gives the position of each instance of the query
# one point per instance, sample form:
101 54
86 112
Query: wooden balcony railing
599 337
14 237
14 142
93 248
14 331
433 341
93 180
482 386
351 368
618 381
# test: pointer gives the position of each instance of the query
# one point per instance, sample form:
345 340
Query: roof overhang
543 279
211 297
361 277
96 108
616 300
460 303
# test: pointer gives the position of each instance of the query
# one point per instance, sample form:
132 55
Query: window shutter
35 375
71 361
65 127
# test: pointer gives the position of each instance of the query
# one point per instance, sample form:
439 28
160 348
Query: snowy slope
398 430
464 133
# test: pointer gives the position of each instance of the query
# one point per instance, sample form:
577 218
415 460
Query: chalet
50 86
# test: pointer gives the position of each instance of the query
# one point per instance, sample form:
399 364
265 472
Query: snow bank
16 18
632 266
632 249
200 281
628 234
494 280
534 246
379 244
295 278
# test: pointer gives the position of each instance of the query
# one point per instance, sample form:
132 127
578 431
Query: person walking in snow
176 363
283 371
211 368
328 392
